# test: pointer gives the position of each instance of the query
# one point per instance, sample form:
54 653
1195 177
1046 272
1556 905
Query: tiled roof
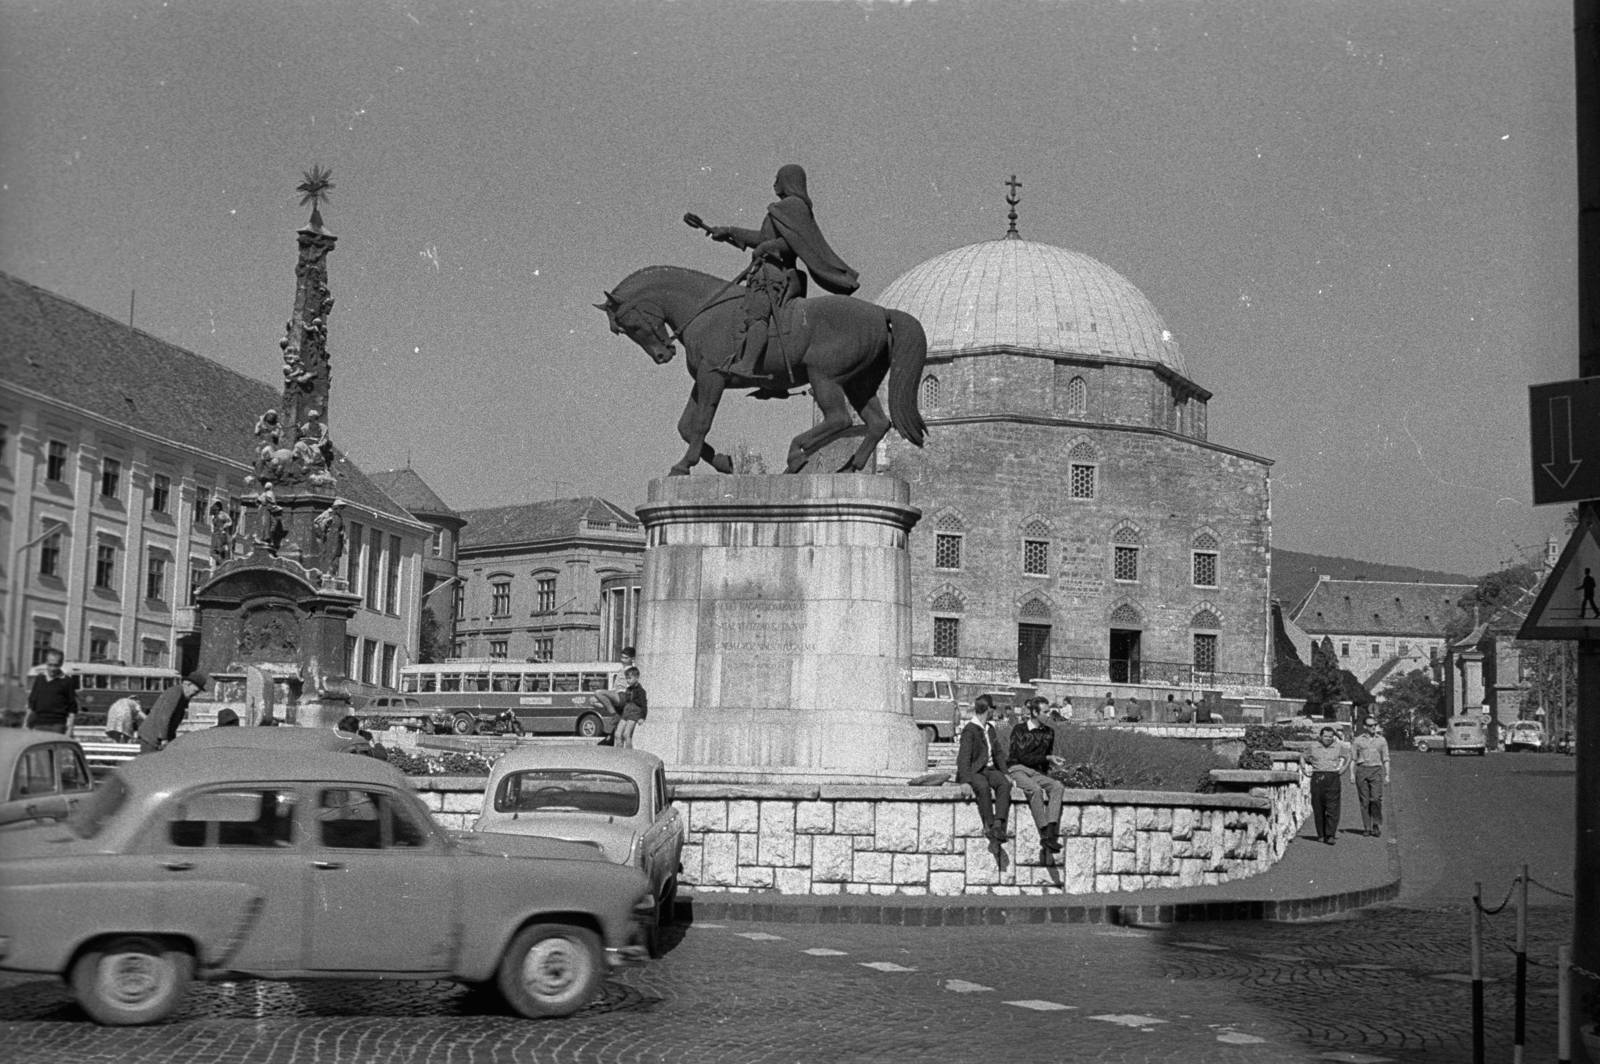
406 487
1379 607
532 522
1018 293
61 349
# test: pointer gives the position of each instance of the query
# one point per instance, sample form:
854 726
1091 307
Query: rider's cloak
791 216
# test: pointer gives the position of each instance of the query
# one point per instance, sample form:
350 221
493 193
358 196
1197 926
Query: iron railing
1088 670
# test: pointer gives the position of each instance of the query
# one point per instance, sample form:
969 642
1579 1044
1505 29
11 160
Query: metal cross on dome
1013 199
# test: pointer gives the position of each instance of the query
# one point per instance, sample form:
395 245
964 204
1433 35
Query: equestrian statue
762 331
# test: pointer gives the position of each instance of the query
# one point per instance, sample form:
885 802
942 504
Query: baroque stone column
775 629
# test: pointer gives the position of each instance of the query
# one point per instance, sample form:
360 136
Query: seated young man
1032 743
981 765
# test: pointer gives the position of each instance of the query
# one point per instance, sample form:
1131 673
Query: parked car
46 773
614 799
1466 734
402 711
220 863
1524 735
1428 741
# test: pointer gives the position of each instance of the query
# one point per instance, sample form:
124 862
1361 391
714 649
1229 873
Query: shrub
1259 760
453 763
1263 737
1111 757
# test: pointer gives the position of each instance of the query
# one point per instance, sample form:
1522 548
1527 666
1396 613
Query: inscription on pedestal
759 627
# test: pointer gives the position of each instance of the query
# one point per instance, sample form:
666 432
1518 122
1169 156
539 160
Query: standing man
1033 746
1327 760
161 726
1371 757
981 765
122 719
635 706
1587 587
53 699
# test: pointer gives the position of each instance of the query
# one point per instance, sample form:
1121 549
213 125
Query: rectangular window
500 599
154 654
44 641
1405 648
99 648
438 542
1376 650
354 554
110 477
1125 563
391 579
155 578
370 568
50 555
1080 481
544 648
497 648
369 660
199 573
547 594
202 506
105 566
160 493
389 653
458 649
55 462
947 637
946 551
1205 568
350 663
1036 557
459 594
1205 652
1344 650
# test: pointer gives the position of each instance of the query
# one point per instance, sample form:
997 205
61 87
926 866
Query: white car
615 800
1524 735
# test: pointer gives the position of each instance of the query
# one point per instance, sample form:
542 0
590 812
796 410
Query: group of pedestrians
1366 760
991 768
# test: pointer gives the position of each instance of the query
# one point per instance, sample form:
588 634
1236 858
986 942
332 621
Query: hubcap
554 968
129 980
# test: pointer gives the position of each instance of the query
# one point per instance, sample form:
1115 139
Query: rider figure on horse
788 237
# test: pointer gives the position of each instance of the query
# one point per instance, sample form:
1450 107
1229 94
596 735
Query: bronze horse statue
842 346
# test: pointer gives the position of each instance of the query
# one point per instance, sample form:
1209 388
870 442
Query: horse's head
643 323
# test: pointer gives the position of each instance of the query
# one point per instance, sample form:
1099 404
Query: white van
933 703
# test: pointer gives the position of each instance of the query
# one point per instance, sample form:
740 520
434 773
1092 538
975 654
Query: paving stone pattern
1369 988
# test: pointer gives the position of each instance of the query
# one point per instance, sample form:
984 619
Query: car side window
365 820
256 819
74 772
35 774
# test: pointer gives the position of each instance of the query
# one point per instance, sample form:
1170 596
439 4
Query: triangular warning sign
1568 606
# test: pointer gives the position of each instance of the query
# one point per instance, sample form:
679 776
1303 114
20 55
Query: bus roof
75 668
501 664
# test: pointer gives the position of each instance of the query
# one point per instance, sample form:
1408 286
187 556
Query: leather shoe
998 832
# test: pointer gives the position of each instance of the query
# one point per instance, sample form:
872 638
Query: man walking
1369 771
1032 746
981 765
161 726
1327 761
53 699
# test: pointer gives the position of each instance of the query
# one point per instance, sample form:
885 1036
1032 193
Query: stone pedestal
775 629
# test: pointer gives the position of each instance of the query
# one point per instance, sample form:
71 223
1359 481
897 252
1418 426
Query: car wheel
590 726
551 970
1423 748
131 980
666 915
464 724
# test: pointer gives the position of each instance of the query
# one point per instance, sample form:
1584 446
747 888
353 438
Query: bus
548 696
933 704
102 683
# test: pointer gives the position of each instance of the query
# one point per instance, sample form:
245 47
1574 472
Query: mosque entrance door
1033 652
1125 655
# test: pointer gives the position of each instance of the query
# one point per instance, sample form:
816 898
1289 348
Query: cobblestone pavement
1383 986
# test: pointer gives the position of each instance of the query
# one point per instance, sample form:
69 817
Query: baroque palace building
113 446
1079 524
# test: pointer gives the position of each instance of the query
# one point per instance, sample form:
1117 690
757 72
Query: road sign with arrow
1564 421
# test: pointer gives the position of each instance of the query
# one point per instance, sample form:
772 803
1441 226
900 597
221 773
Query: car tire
464 724
591 726
131 980
666 915
551 970
1423 748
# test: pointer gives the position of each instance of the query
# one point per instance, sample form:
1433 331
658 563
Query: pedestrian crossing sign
1567 606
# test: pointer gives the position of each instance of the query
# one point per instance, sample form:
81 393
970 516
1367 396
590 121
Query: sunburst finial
316 189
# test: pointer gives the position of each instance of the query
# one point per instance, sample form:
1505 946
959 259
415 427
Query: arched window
1083 469
1205 558
1035 607
928 399
1077 397
1205 617
949 602
1127 615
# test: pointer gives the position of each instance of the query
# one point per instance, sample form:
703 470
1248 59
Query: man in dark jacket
161 726
1032 749
53 699
981 765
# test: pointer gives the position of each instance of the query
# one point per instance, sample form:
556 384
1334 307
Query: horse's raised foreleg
877 423
696 423
835 406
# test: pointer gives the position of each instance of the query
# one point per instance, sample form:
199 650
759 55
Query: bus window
102 681
922 689
944 690
595 681
408 683
504 681
564 681
536 681
450 681
430 682
480 682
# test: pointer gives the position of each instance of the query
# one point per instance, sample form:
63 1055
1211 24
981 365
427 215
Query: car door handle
327 866
177 866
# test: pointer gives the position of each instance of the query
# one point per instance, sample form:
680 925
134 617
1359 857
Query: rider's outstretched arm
740 238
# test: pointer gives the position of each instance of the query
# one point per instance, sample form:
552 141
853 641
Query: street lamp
14 665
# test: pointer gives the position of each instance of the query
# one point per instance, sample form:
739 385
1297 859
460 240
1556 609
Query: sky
1359 217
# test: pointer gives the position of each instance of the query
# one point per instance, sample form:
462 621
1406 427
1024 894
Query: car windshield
567 791
101 804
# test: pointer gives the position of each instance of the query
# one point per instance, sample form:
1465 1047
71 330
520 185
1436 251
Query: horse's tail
908 350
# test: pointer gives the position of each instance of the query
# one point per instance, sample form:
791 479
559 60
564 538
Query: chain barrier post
1518 1040
1477 972
1564 1005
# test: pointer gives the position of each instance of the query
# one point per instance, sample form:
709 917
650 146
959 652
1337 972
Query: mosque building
1079 524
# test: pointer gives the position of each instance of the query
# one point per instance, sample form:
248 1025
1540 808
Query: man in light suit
981 765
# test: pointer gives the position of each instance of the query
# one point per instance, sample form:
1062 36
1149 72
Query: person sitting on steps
981 765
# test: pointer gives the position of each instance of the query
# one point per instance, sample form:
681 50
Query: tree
1325 685
1499 588
1412 700
431 642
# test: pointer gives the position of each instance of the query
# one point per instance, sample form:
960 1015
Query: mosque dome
1035 297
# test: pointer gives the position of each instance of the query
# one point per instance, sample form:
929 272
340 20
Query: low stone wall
928 840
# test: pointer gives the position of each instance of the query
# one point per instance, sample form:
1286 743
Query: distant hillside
1294 574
